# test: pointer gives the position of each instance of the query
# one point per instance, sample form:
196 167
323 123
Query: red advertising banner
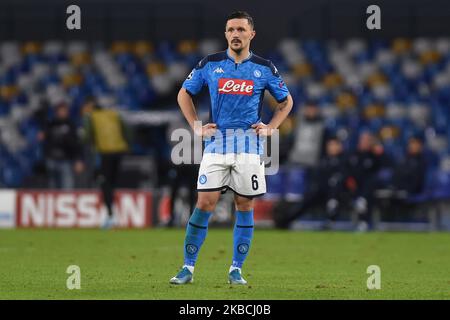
81 209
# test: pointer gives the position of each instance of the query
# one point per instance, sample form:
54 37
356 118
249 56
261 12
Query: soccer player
236 79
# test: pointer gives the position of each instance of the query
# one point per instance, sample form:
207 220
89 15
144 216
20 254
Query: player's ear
253 34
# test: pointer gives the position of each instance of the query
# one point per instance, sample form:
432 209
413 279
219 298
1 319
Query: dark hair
241 15
417 137
311 103
333 137
61 105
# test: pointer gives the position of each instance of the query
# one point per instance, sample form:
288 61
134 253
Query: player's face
239 33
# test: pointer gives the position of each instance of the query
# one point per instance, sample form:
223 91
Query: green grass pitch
137 264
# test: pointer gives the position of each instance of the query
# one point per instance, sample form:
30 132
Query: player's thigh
207 200
247 176
214 173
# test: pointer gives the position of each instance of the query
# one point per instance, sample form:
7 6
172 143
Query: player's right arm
192 86
188 109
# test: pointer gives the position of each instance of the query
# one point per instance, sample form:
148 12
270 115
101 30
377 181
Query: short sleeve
195 80
276 85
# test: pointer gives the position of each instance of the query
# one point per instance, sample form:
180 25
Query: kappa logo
189 77
276 71
218 70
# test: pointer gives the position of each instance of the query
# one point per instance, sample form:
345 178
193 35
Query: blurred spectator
184 174
408 177
62 149
308 138
364 165
88 149
106 131
409 174
327 185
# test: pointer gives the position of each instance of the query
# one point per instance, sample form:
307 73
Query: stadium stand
395 88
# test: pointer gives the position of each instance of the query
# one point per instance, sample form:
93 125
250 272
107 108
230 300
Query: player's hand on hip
263 129
207 130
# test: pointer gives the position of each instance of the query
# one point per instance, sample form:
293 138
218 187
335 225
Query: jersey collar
246 59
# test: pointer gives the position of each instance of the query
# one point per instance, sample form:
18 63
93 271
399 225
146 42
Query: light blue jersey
237 92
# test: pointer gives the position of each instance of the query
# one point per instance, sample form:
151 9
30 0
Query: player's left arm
280 92
282 110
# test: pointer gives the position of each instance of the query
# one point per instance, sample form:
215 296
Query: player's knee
206 204
244 208
244 204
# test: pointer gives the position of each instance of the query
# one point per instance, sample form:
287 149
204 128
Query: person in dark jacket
364 165
409 174
326 186
307 144
62 149
408 178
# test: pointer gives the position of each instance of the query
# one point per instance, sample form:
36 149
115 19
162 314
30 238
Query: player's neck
239 57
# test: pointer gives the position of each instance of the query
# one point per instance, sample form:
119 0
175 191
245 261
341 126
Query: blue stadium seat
138 93
394 149
441 188
50 78
295 183
384 176
145 96
56 58
275 184
166 51
12 176
427 193
4 108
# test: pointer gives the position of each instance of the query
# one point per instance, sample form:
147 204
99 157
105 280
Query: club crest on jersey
236 86
257 73
202 179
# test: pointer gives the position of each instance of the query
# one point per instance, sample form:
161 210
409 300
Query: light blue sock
196 231
242 237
